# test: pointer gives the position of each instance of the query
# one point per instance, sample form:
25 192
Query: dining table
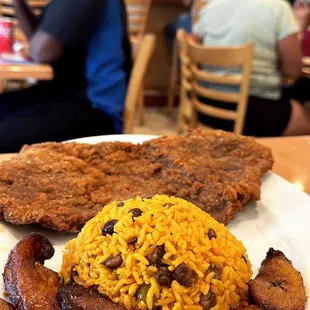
14 67
291 155
23 71
292 159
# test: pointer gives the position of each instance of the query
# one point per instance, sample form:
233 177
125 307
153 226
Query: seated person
87 44
272 26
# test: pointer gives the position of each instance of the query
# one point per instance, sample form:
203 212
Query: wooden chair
198 79
174 77
142 60
137 12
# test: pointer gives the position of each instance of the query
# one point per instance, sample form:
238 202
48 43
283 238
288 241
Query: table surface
291 156
25 71
292 159
12 67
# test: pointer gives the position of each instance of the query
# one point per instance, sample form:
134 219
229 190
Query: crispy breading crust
62 186
5 306
278 285
246 306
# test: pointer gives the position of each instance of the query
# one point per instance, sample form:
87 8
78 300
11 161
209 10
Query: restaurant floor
157 122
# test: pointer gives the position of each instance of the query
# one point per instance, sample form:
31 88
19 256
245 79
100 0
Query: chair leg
141 107
181 123
173 78
2 86
180 126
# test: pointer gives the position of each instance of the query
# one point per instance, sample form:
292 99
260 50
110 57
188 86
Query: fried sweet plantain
278 285
5 306
30 285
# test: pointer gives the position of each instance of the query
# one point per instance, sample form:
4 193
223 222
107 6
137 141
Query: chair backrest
199 79
137 12
144 54
7 8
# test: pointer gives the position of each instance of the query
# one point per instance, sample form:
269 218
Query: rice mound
217 261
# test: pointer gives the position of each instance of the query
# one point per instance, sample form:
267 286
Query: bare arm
66 25
290 57
26 18
44 48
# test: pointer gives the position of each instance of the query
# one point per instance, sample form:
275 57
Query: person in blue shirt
87 44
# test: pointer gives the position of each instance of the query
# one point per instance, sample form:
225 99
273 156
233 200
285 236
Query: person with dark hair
87 44
272 26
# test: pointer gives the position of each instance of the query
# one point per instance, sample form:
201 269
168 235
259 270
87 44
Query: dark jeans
183 21
44 113
264 117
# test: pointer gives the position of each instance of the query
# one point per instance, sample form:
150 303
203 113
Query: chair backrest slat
229 56
227 79
214 111
214 94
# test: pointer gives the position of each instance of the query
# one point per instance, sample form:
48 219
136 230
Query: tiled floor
157 122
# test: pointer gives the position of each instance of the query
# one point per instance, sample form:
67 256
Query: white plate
280 220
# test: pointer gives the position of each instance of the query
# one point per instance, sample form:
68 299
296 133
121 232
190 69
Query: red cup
6 35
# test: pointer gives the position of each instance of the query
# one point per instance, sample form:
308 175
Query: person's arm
288 45
66 25
27 20
44 48
290 57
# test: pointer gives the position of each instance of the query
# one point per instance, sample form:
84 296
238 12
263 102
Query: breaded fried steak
246 306
62 186
5 306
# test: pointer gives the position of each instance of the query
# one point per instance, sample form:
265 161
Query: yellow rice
183 230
